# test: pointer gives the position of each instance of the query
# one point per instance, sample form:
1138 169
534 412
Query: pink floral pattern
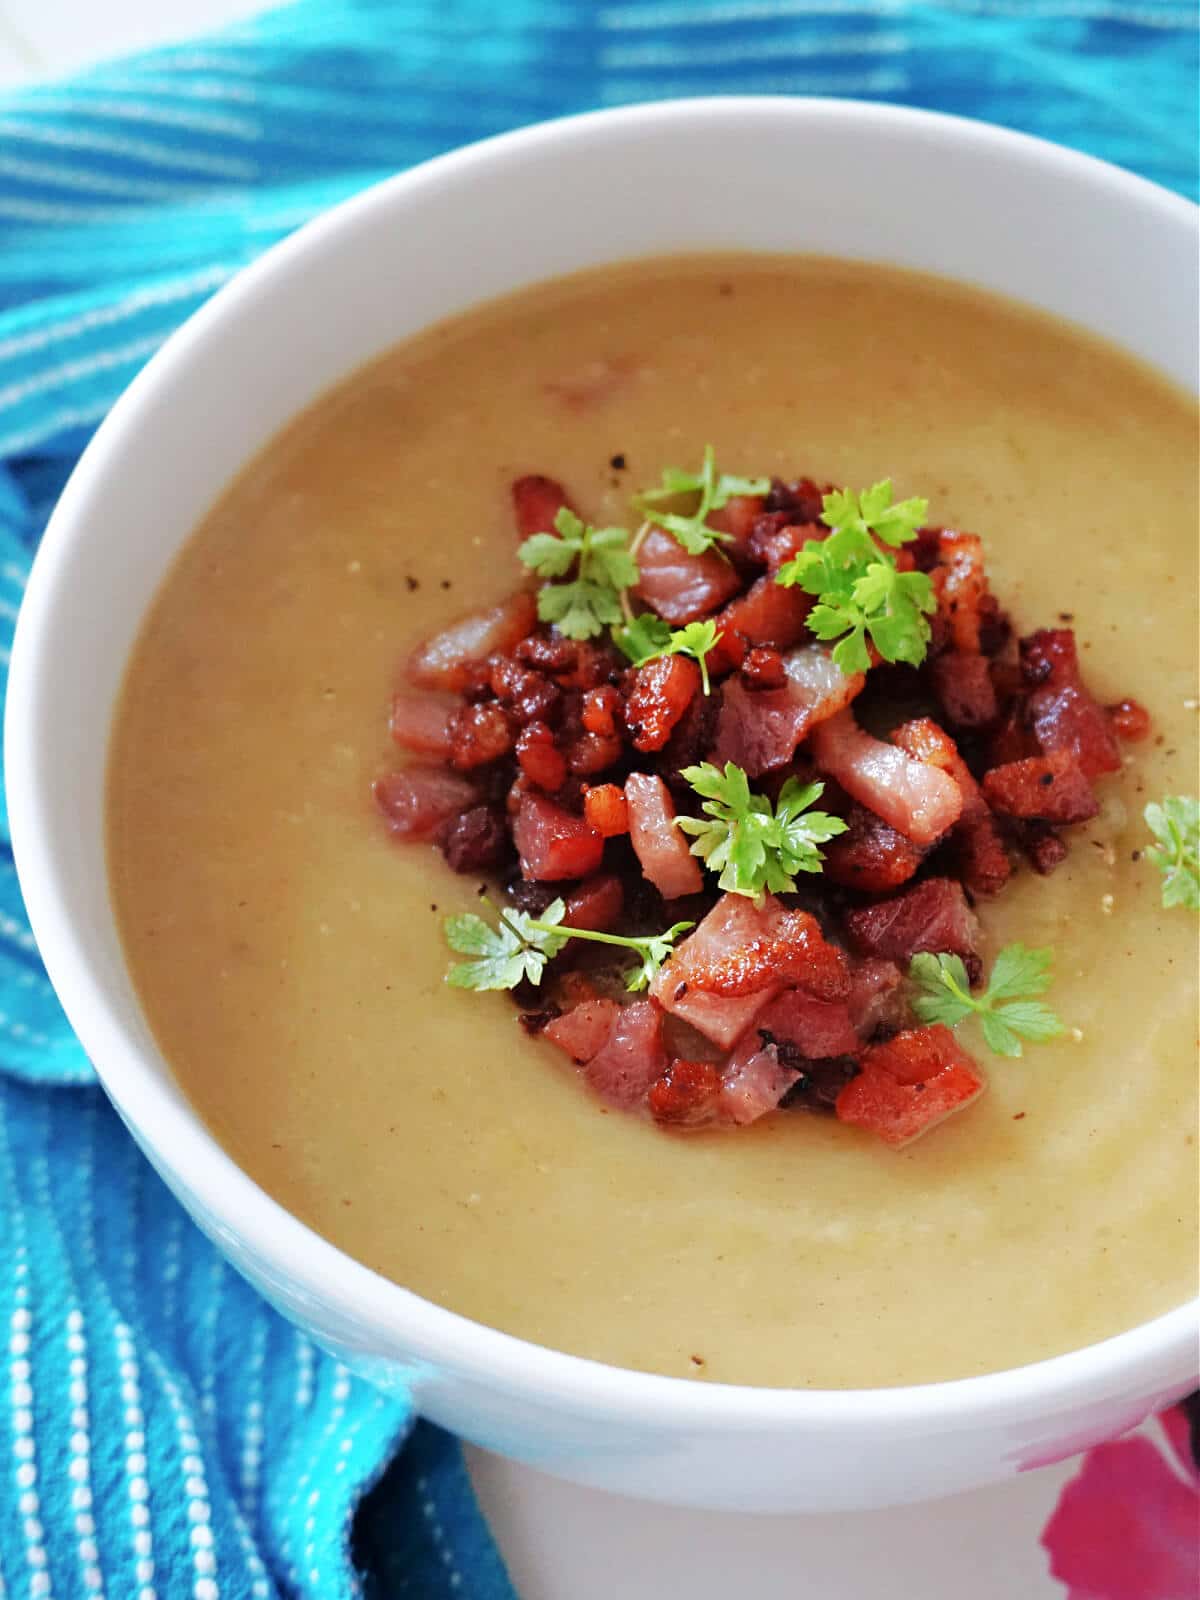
1127 1527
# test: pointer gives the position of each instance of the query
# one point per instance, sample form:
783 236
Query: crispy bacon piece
475 840
600 709
766 614
681 587
960 584
632 1056
421 723
596 904
661 693
418 800
1013 739
763 668
754 1082
527 695
964 689
539 758
1130 720
686 1095
979 848
759 729
876 999
1042 844
732 923
536 502
813 1028
870 855
1061 712
445 660
1049 788
606 809
789 949
552 843
479 734
914 798
933 915
777 538
590 753
583 1029
661 848
909 1084
737 517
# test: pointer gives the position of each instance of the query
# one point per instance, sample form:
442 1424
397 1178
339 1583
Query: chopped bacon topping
1048 788
444 662
932 915
554 844
682 587
788 948
870 855
964 689
732 923
754 1082
631 1058
421 723
539 758
660 846
760 729
418 800
1061 712
813 1028
1130 721
914 798
876 999
596 904
606 809
583 1029
686 1094
766 614
661 693
536 502
478 734
909 1084
979 848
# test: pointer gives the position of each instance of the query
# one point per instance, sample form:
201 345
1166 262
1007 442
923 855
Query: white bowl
1041 224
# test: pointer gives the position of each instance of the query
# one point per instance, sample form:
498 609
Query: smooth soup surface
289 954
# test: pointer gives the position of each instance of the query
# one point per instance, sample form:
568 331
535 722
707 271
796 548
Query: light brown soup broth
289 955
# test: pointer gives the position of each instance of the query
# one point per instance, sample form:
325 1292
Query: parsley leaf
715 491
647 637
604 568
1175 823
861 593
1006 1018
756 848
522 945
506 955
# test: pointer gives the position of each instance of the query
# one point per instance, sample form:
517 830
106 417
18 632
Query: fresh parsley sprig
604 569
520 947
860 590
1175 823
647 637
715 491
1007 1013
754 846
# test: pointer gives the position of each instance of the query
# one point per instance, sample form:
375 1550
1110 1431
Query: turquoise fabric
162 1433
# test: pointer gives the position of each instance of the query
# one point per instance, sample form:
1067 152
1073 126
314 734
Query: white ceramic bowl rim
169 1127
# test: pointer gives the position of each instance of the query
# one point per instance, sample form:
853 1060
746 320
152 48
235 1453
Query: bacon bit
911 1083
540 759
933 915
478 734
777 539
600 709
1045 849
590 665
813 1028
765 614
686 1094
552 843
1013 739
760 729
527 695
1130 721
1049 788
682 587
731 923
803 498
597 904
870 855
737 517
631 1057
535 1022
1062 714
475 839
589 753
583 1030
876 999
547 653
661 693
790 950
660 847
421 723
763 668
964 689
754 1082
960 584
536 502
606 809
445 661
914 798
982 858
418 800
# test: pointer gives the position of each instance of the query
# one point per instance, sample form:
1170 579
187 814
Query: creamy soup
289 953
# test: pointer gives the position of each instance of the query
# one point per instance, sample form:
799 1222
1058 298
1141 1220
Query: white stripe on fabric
15 444
71 371
252 1425
618 90
1079 10
306 1361
12 932
176 88
130 305
79 1468
440 1542
685 54
339 1393
199 1507
94 182
131 111
15 574
689 13
208 1334
92 142
137 1484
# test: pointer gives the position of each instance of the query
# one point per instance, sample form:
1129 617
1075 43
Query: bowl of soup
311 477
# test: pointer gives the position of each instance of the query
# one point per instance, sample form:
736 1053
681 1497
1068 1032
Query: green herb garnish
715 491
860 591
1175 823
1006 1013
753 846
647 637
604 569
521 946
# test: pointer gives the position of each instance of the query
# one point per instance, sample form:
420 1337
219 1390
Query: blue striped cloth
162 1433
